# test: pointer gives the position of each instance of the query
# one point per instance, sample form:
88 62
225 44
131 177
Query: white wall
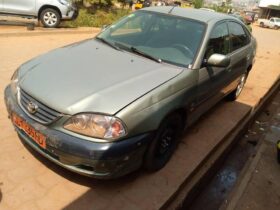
265 3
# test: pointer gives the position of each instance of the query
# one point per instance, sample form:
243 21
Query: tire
234 94
50 18
164 144
276 27
262 24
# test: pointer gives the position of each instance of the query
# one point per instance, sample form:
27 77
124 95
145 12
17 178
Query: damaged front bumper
94 159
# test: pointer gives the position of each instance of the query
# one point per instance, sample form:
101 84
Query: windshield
170 39
277 20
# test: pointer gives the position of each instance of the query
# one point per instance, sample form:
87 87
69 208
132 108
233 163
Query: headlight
65 2
14 81
15 76
96 125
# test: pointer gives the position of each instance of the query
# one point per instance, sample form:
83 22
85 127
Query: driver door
212 81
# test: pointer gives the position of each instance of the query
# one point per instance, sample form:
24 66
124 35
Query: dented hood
91 77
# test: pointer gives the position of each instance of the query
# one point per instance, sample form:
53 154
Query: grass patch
97 18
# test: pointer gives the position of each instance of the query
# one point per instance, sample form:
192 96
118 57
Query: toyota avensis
105 106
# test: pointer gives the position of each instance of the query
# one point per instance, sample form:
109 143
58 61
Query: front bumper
99 160
71 13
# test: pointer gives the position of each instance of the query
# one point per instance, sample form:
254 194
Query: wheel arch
182 112
47 6
249 68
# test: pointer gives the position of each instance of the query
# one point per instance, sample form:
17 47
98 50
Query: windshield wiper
108 43
136 50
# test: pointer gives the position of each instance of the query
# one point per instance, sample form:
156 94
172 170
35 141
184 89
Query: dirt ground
30 182
259 187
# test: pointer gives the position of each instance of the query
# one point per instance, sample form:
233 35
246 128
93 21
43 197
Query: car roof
197 14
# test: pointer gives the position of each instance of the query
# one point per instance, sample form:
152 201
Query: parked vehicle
239 17
49 12
105 106
142 4
271 23
249 16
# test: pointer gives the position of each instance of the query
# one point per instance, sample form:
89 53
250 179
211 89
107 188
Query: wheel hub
166 142
241 85
50 18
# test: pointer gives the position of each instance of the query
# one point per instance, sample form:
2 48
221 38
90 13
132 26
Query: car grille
43 113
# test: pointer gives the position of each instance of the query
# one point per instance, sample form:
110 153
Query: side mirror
218 60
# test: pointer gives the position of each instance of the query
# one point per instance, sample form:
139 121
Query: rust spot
54 142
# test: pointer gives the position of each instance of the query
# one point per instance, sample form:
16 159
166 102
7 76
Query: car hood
91 77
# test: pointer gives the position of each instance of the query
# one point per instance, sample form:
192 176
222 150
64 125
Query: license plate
36 136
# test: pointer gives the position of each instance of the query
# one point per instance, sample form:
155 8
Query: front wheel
50 18
164 144
276 27
234 94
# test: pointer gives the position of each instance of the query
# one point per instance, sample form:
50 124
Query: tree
98 3
197 3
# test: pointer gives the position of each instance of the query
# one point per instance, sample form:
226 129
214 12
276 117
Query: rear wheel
50 18
164 144
276 27
234 94
262 24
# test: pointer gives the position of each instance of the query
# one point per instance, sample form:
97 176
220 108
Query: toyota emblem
32 107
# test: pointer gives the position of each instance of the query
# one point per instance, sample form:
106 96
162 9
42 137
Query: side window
271 20
238 37
219 41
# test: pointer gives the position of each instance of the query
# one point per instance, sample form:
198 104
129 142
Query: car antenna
172 9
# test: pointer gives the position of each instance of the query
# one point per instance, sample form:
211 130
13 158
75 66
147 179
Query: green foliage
97 18
197 3
96 3
222 9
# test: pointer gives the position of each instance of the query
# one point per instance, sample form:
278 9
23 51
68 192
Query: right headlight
65 2
14 81
96 125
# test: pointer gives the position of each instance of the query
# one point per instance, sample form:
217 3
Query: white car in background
273 22
49 12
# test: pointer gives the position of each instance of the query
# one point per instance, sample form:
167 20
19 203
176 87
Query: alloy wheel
50 18
241 85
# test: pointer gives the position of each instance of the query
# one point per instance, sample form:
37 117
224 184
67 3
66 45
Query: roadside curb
245 179
207 168
50 32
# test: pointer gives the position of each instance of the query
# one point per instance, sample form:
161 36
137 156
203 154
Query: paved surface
218 189
28 181
259 187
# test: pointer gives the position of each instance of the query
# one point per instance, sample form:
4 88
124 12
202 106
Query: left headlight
96 125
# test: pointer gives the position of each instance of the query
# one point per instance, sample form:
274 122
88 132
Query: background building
269 8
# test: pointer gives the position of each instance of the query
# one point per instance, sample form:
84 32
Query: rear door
240 53
21 7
